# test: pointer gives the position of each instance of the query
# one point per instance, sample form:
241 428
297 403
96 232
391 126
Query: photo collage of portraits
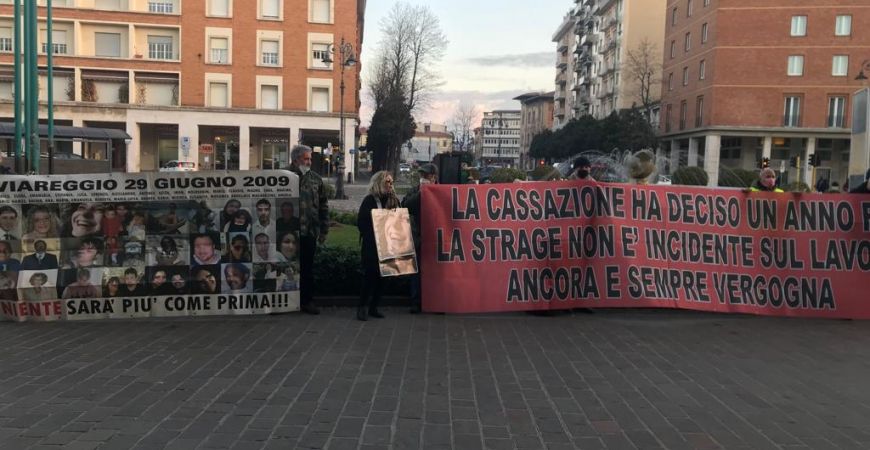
135 249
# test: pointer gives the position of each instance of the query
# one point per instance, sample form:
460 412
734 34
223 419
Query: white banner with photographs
148 245
396 255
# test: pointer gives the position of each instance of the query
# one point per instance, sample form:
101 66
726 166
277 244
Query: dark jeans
417 284
307 248
371 289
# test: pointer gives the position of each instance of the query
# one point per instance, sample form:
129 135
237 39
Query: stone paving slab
609 380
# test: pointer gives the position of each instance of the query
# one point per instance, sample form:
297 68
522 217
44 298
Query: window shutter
320 99
270 8
107 44
269 97
219 8
321 10
270 46
217 93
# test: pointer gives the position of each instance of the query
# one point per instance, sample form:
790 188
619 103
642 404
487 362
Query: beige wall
140 39
642 19
85 38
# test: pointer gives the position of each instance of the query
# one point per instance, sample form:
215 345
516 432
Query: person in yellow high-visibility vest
766 181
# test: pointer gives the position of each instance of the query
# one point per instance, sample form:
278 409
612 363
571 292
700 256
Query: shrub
507 175
741 178
330 191
343 217
798 186
338 272
690 176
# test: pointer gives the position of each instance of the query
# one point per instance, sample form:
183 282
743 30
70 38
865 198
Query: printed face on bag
398 237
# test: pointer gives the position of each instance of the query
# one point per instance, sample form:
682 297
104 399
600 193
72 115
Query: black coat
368 247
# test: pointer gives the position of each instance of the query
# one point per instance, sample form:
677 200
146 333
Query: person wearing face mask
581 169
428 175
313 221
766 182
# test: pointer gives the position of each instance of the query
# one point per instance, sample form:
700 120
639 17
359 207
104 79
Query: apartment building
746 80
228 84
606 31
566 46
500 136
429 140
536 115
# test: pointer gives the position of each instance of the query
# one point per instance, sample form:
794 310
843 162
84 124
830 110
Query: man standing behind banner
428 175
313 221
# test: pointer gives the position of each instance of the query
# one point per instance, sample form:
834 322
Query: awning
7 129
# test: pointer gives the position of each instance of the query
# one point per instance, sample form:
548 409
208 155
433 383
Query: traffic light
796 162
765 162
814 160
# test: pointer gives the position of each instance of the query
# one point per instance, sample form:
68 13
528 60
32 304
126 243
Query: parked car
179 166
404 168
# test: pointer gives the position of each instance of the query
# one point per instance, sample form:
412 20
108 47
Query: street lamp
864 66
347 59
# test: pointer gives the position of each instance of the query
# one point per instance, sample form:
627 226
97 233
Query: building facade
500 136
745 80
223 83
536 115
606 31
566 46
429 140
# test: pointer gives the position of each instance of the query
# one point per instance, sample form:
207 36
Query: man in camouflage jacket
313 221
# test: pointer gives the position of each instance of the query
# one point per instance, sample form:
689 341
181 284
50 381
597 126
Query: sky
496 51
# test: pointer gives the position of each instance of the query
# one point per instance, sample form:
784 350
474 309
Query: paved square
613 379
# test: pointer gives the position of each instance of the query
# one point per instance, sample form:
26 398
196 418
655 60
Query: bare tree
462 125
403 75
643 66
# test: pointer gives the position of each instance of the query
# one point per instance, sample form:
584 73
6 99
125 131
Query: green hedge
338 272
343 217
741 178
507 175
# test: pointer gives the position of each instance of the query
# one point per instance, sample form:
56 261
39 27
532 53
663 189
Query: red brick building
747 79
229 84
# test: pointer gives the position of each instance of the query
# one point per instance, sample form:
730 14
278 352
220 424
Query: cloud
537 59
444 104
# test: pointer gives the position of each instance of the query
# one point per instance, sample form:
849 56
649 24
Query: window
674 16
688 41
689 9
160 7
673 49
683 111
107 44
268 96
702 69
269 50
706 2
320 99
160 47
699 111
6 39
843 26
837 112
685 76
58 42
792 114
321 11
219 8
218 95
704 33
219 50
840 66
269 9
798 25
668 118
318 52
795 65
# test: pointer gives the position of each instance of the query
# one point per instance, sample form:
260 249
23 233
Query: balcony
589 39
156 89
156 43
103 86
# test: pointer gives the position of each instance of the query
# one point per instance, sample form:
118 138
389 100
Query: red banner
562 245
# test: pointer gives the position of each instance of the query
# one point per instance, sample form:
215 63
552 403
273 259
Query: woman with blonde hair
381 196
41 223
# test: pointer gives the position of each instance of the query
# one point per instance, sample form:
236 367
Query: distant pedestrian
863 188
381 196
412 201
313 221
822 185
581 169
